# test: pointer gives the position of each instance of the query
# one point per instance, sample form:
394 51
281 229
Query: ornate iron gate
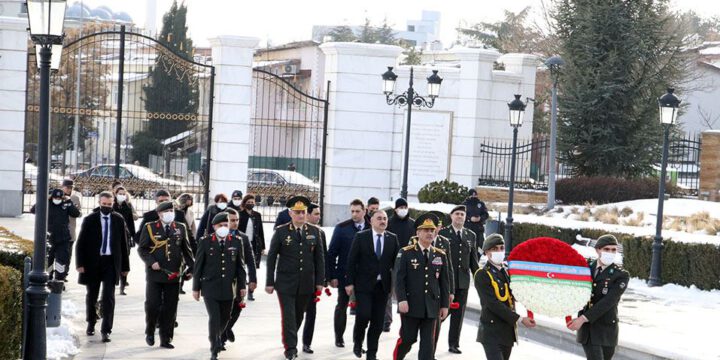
287 144
125 107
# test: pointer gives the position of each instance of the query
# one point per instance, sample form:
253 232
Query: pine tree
620 56
170 89
342 34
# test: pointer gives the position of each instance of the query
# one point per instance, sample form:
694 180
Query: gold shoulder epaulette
439 250
409 247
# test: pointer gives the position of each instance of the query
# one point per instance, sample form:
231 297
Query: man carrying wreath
498 319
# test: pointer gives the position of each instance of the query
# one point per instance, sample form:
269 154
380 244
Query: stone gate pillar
710 166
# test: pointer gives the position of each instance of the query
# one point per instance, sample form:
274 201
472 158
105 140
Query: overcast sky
290 20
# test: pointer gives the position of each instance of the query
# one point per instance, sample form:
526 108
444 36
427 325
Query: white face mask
237 202
222 231
401 212
57 201
497 257
221 205
168 217
121 198
607 258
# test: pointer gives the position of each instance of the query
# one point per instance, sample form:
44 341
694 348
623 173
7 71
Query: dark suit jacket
423 283
339 249
247 254
602 312
363 265
87 247
283 218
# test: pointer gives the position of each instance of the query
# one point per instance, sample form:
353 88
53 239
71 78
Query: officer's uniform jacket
295 263
601 311
498 319
423 283
171 251
220 275
462 256
443 244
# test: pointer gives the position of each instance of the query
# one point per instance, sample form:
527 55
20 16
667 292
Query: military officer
295 268
464 259
422 290
219 276
597 323
498 319
165 249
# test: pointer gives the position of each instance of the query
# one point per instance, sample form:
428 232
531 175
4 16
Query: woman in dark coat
251 224
205 227
124 207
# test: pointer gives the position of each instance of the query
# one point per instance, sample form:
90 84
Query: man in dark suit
370 264
162 196
219 276
464 259
597 324
422 289
313 217
165 249
101 257
498 319
283 218
295 268
337 256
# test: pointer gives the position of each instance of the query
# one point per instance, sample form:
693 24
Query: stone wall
710 166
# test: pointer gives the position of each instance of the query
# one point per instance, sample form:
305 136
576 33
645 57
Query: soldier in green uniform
463 257
597 323
219 277
497 330
295 268
165 248
422 289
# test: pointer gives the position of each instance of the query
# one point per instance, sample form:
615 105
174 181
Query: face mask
57 201
168 217
121 198
249 206
221 205
607 258
401 212
106 210
237 202
222 231
497 257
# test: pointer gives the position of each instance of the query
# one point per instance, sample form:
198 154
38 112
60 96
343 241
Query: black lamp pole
412 98
517 109
669 104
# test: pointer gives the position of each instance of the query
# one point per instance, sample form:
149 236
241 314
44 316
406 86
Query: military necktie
222 244
167 230
459 235
425 255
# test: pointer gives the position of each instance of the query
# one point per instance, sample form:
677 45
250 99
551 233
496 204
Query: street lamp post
669 105
410 97
553 63
46 18
517 111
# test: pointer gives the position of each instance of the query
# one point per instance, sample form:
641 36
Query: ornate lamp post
412 98
669 106
517 113
46 18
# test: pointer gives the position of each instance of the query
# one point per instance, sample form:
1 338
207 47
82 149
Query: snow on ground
672 294
61 342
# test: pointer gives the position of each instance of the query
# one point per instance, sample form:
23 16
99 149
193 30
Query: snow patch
61 341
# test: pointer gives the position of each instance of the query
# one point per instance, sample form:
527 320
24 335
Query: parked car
138 180
30 182
279 185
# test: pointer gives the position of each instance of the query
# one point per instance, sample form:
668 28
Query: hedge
10 312
14 249
444 191
604 190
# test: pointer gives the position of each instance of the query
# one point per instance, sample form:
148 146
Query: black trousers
161 301
408 336
107 280
60 253
456 318
292 309
219 312
388 307
497 351
598 352
310 315
340 320
370 309
234 315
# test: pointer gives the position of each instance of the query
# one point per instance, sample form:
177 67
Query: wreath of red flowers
547 250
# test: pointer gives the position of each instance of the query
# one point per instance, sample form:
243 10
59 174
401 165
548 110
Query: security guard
59 211
422 289
219 275
295 268
597 323
497 330
464 259
165 249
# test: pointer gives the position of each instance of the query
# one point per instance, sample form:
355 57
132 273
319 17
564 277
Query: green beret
492 241
221 217
606 240
459 208
164 206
